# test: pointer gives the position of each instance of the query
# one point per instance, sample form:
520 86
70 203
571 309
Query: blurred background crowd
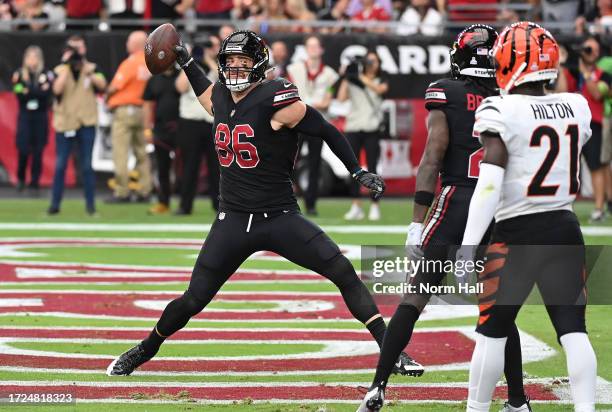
369 80
410 16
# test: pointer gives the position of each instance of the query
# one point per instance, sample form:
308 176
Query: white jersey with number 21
544 136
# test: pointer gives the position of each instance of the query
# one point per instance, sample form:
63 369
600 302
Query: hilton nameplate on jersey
550 111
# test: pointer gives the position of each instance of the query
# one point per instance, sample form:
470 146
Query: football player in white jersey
528 181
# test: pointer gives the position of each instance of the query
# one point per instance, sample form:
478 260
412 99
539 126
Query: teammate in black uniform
256 123
453 154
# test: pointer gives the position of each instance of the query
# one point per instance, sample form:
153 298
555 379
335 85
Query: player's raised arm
305 119
201 85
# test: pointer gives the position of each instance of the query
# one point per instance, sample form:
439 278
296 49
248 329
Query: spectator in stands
599 15
125 9
273 11
280 59
32 10
169 9
355 6
75 115
559 11
296 10
32 86
83 10
160 116
507 16
225 31
248 9
315 81
420 17
372 11
472 10
196 132
586 80
125 101
605 64
218 9
363 85
338 12
6 11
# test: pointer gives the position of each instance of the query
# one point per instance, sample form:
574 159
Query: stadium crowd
428 17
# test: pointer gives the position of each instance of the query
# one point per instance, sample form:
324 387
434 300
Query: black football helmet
247 43
469 55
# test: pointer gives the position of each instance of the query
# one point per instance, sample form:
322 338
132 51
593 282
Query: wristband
423 198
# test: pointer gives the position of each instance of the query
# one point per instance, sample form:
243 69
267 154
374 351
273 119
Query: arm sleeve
436 96
484 203
313 124
283 94
488 118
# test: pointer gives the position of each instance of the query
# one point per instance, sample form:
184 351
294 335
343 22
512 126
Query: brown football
159 49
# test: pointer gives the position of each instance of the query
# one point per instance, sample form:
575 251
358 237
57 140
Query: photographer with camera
32 86
75 116
315 81
195 135
593 83
363 85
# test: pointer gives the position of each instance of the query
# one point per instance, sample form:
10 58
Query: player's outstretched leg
225 248
304 243
513 370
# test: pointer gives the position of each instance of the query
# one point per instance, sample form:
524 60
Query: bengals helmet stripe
531 55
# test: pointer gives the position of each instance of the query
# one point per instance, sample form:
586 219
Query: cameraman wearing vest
75 116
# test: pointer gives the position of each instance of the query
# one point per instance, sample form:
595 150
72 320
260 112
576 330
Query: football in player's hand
159 49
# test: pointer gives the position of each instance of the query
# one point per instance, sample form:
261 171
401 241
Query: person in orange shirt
125 101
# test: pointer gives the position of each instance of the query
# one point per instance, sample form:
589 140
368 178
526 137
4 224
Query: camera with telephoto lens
75 60
356 67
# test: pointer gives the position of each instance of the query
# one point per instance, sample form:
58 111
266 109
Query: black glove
182 55
372 181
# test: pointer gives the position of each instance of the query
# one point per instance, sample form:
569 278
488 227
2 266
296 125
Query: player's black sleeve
313 124
281 93
436 96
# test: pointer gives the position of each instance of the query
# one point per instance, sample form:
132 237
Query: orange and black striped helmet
524 52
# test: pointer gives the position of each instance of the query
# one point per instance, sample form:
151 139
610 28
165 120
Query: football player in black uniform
453 154
256 126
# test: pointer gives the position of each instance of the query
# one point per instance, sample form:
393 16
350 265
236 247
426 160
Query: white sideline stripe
13 303
329 349
149 292
319 279
48 273
188 227
181 269
155 319
188 329
289 306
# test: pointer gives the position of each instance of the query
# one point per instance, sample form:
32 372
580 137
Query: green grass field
24 221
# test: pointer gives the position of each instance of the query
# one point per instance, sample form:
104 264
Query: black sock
397 337
513 369
152 343
377 328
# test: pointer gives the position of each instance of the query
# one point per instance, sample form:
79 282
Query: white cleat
373 400
523 408
374 213
354 213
